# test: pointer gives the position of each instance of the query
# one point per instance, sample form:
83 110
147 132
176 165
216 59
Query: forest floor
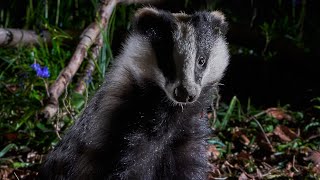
275 143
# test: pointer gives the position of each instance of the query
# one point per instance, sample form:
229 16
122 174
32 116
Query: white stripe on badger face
184 55
217 62
139 57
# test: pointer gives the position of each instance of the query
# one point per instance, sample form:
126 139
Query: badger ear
145 12
221 25
152 23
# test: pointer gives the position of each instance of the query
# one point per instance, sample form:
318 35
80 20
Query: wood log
20 37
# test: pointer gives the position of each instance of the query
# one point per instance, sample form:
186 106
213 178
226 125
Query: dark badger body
147 120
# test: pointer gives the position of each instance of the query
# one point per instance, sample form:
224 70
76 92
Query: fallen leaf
316 170
243 176
244 139
5 172
237 133
213 152
278 113
285 133
314 157
259 174
243 156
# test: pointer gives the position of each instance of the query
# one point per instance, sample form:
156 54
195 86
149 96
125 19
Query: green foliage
23 94
6 149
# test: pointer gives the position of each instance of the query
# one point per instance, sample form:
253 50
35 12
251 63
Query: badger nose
181 94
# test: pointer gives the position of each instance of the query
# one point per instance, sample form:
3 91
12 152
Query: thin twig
16 175
293 163
264 134
256 115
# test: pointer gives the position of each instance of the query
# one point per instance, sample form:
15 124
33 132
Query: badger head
189 51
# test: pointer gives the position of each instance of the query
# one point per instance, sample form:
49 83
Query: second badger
146 121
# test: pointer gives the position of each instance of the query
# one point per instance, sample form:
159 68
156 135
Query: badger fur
147 121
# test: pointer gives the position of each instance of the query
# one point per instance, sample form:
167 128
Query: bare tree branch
15 37
87 38
92 58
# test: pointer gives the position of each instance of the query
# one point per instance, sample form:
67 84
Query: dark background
285 71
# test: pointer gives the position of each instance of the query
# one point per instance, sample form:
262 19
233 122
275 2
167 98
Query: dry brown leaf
237 133
285 133
5 172
316 170
259 174
213 152
278 113
244 139
314 157
243 156
243 176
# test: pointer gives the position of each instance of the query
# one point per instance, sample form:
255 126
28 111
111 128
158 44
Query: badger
148 119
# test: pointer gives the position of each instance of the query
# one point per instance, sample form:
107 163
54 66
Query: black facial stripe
158 28
203 24
163 46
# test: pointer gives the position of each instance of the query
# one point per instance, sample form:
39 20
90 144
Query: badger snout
185 95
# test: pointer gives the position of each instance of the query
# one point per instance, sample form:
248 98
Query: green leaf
216 142
229 112
42 127
24 119
7 149
317 107
20 164
78 100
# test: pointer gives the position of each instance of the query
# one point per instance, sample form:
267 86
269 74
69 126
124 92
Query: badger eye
201 61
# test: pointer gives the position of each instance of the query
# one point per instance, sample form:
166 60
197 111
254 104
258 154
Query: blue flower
45 73
36 67
42 72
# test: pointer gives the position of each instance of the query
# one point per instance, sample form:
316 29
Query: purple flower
42 72
36 67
